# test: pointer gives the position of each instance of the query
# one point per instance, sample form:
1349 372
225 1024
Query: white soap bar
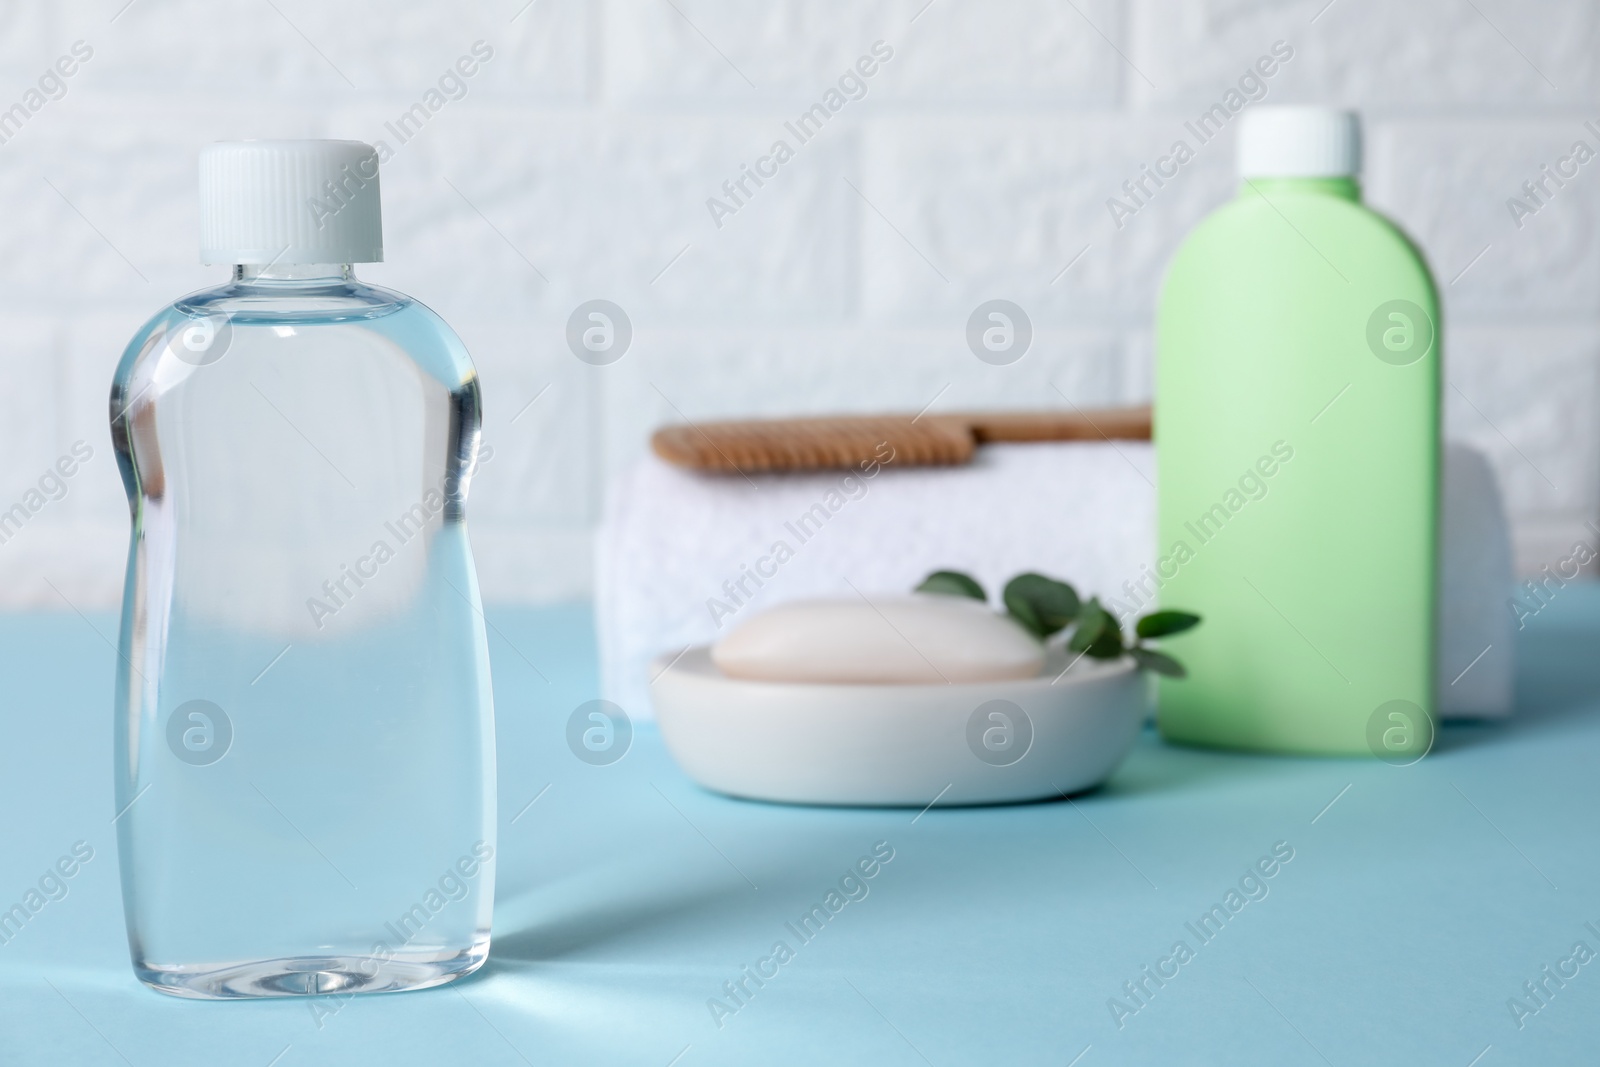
922 638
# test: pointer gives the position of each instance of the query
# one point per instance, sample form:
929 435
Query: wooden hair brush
848 441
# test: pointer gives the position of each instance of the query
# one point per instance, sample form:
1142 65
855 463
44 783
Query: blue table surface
1418 902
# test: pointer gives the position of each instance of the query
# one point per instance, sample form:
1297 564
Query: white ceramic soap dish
900 745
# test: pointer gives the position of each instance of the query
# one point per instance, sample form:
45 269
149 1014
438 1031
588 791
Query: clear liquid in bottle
305 741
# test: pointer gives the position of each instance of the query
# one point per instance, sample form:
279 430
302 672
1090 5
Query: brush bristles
852 442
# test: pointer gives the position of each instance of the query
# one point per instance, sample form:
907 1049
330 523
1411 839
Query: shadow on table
574 922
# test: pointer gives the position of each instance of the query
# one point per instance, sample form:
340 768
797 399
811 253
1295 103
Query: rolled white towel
683 556
1475 662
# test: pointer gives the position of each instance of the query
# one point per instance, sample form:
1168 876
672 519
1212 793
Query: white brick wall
976 166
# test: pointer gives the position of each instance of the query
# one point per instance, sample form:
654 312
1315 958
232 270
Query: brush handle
1081 424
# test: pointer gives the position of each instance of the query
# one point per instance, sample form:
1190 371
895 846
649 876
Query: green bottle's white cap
1299 142
289 202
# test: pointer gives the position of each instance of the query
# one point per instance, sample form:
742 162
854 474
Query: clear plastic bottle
304 729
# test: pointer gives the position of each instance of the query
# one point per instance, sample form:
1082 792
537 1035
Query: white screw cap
1299 142
289 202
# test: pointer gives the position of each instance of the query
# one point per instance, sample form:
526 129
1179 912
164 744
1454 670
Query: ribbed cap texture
1299 142
290 202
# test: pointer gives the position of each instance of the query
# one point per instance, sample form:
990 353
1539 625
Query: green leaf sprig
1045 607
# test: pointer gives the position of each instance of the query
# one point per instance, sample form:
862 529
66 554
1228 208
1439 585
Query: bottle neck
1347 188
292 274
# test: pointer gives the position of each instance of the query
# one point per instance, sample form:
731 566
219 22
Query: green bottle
1297 431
